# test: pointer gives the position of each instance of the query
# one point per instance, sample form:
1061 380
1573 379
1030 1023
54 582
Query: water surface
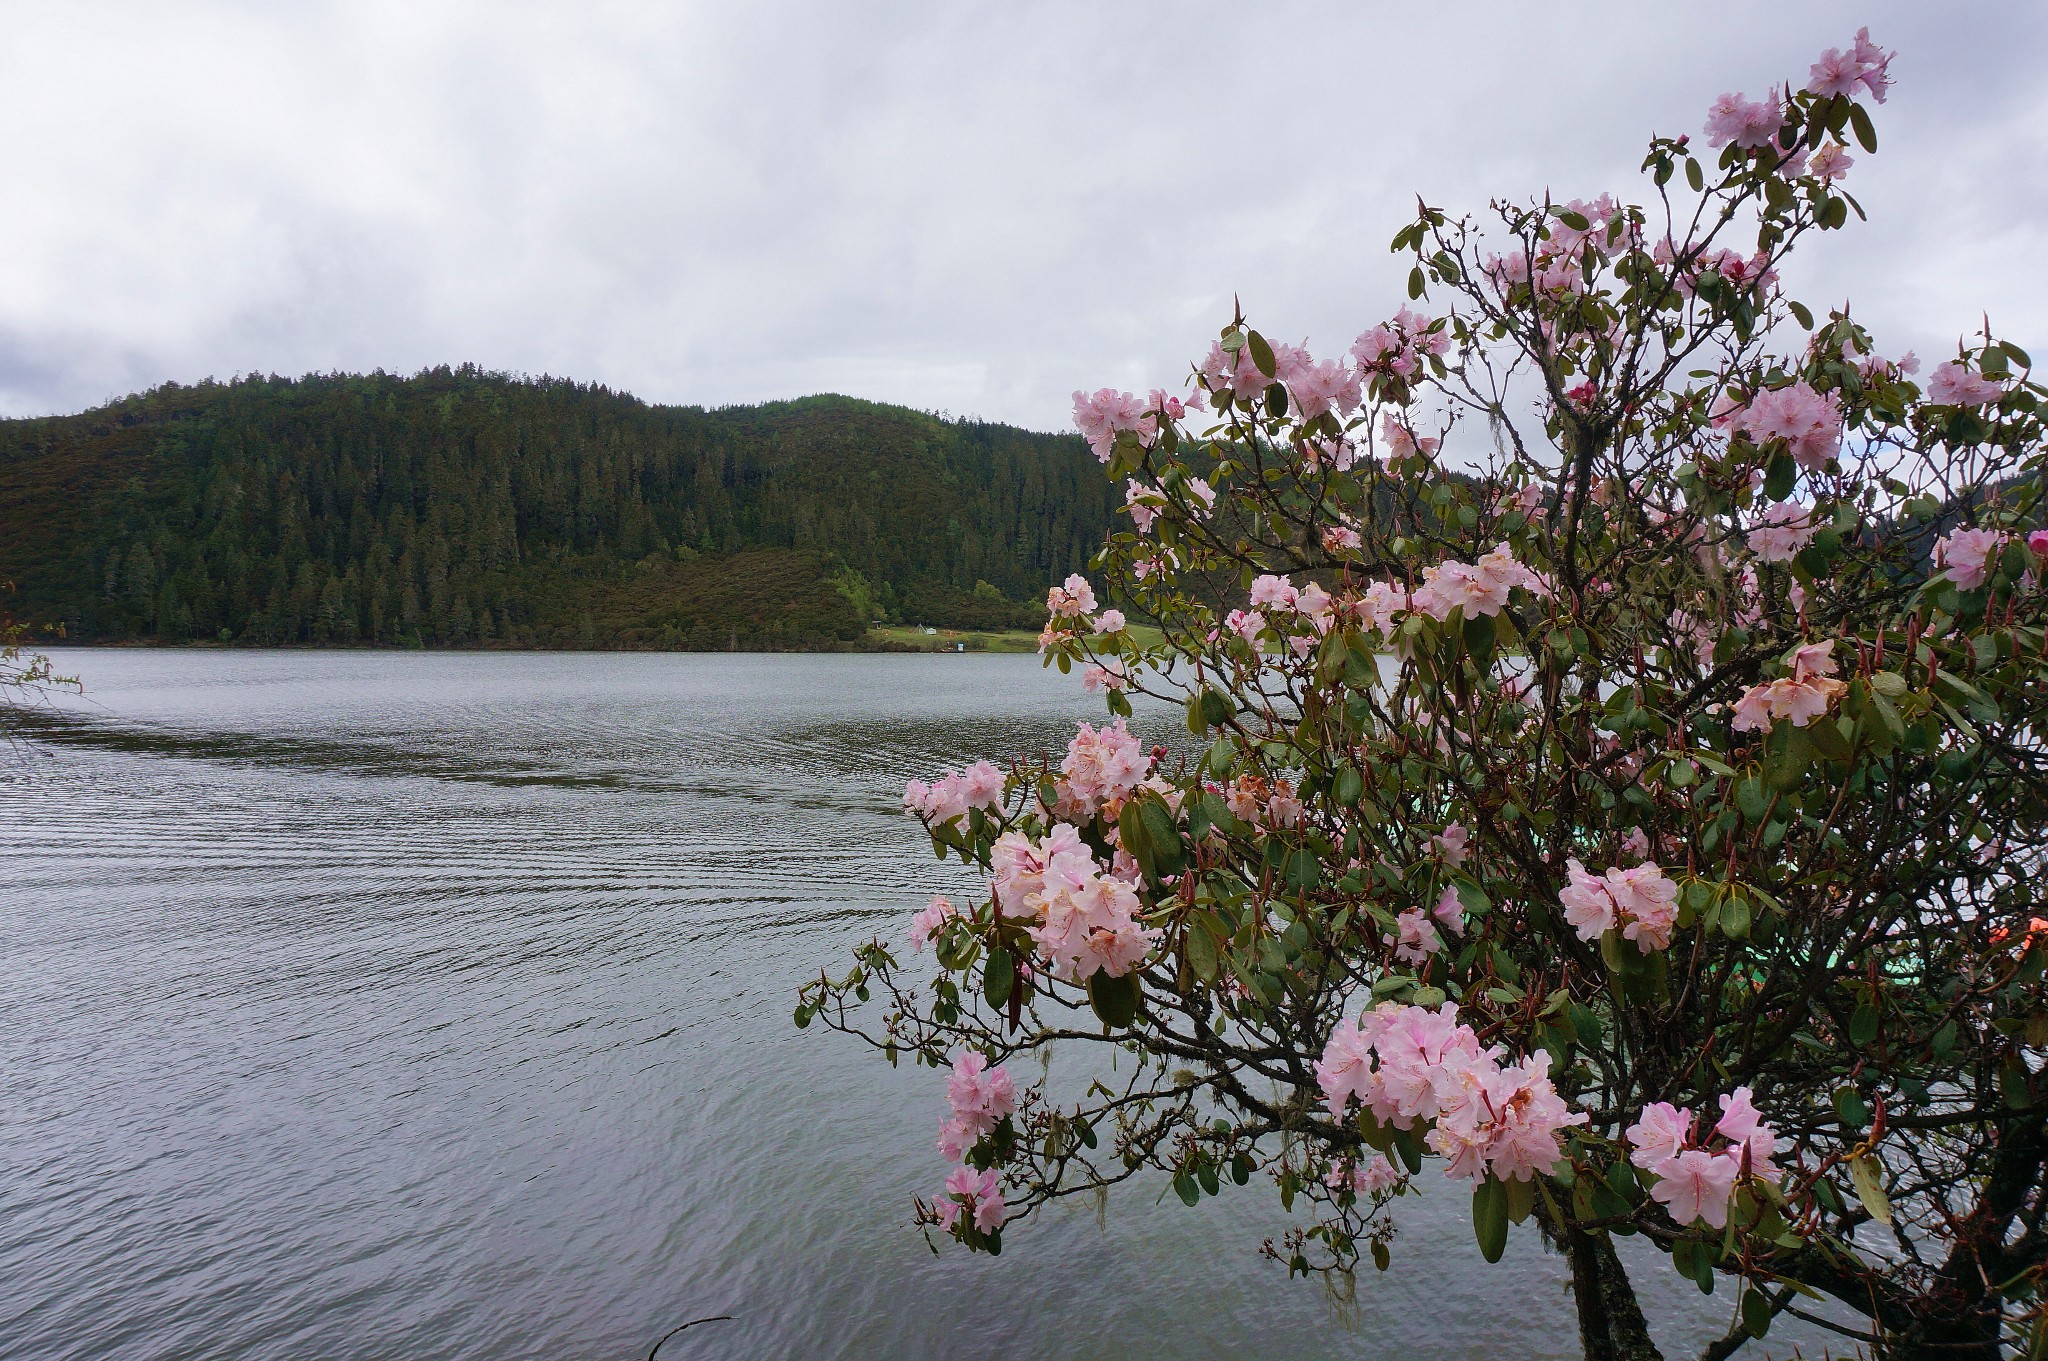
437 1006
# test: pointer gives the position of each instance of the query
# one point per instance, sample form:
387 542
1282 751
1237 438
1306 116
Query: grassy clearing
902 638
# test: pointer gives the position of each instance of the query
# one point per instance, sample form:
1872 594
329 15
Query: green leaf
1866 135
1805 318
1168 856
1262 353
1756 1313
1576 221
1201 952
1415 283
1115 1000
1490 1218
1186 1188
1479 637
998 977
1693 176
1349 786
1863 1026
1735 916
1780 476
1868 1179
1303 873
1850 1109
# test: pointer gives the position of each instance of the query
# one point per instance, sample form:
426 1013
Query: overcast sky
966 207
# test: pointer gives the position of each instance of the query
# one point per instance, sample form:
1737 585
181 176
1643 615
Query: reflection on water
437 1006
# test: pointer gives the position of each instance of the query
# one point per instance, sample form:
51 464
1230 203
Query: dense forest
467 508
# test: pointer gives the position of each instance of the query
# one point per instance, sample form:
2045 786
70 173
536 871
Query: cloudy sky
966 207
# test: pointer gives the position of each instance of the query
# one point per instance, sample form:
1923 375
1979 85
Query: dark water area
437 1006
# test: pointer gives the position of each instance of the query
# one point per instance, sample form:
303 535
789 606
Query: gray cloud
960 206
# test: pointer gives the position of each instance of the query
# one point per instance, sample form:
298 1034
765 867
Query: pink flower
1954 385
981 786
1478 589
978 1094
1143 503
1073 600
1453 843
1697 1185
1635 843
1450 910
1340 539
1830 163
1658 1136
1647 902
1110 621
1786 528
1529 499
929 919
1108 676
1102 766
1317 388
2037 543
1876 64
1809 421
1375 1176
1967 555
980 1195
1587 906
1246 625
1642 901
1417 940
1836 73
1101 415
1273 592
1403 442
1732 119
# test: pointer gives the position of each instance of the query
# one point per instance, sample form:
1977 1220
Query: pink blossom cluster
1072 599
979 1097
1746 123
1747 272
1143 503
931 919
1363 1179
1399 347
1453 844
1966 555
1799 698
1102 766
1809 421
1839 73
954 793
1402 441
1694 1182
1417 936
979 1195
1784 530
1409 1065
1479 588
1103 414
1954 385
1086 921
1641 900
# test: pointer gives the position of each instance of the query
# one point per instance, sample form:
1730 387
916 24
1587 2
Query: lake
437 1006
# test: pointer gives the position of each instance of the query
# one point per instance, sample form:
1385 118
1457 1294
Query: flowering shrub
1614 694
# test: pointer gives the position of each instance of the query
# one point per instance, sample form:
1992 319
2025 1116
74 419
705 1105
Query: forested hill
460 507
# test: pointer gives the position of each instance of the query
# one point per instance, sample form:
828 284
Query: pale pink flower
1647 902
1967 555
1808 420
1340 539
1746 124
1661 1133
1876 63
929 919
1317 388
1587 906
1110 621
1271 592
1785 529
1697 1185
1830 163
1403 442
1529 499
1246 625
1417 939
979 1194
1102 766
1450 910
1954 385
1102 414
1453 843
1635 843
1143 503
1105 676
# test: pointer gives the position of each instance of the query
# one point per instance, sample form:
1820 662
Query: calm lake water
436 1006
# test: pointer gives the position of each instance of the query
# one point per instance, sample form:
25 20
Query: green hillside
459 507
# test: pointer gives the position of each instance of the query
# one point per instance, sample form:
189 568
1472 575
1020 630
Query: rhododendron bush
1615 782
